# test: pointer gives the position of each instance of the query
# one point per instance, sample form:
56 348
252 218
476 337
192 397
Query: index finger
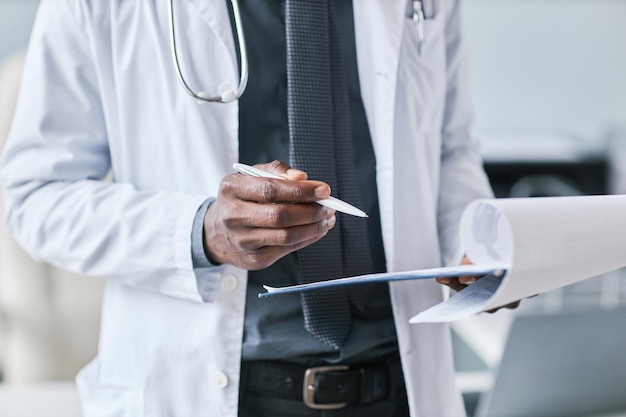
269 190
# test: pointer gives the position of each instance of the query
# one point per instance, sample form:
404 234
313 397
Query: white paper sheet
547 242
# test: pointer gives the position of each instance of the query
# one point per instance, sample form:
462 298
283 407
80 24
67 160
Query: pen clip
418 18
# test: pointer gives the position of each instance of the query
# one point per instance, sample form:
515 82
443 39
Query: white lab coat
100 94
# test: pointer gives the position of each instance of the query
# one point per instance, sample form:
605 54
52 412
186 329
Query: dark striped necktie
321 145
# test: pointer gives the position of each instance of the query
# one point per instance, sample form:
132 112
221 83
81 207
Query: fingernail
322 192
330 223
292 172
469 281
444 280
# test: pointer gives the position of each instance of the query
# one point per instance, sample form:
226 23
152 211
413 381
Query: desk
54 399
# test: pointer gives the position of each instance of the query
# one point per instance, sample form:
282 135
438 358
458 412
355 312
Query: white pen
330 202
418 18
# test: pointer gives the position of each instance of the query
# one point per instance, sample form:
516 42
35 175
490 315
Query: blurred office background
49 318
548 79
549 84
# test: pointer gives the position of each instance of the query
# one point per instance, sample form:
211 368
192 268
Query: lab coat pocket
422 72
107 399
426 38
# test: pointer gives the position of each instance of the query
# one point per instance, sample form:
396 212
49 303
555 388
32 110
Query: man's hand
459 283
254 221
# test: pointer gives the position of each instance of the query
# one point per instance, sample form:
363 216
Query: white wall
548 66
16 20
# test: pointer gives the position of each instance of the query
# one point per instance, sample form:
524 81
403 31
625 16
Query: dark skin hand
254 221
460 283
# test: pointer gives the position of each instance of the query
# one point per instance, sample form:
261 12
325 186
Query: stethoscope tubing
227 93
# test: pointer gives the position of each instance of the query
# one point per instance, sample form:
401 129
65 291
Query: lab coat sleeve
462 177
57 206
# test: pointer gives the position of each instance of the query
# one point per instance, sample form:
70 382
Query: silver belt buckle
309 387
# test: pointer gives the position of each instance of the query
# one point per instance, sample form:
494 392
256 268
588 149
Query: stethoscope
227 92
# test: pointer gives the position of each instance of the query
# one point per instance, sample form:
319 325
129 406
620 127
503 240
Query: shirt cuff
198 254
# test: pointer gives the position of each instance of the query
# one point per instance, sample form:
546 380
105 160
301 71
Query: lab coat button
219 379
229 283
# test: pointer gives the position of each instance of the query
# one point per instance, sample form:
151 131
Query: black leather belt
324 387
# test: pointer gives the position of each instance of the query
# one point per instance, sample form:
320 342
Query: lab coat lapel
378 30
215 14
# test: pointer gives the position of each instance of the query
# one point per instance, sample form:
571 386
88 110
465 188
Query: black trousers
253 404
